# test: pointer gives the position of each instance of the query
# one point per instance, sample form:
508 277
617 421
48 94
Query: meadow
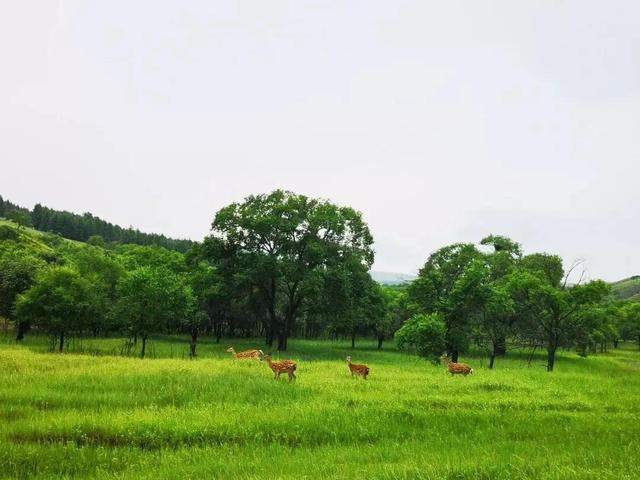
97 415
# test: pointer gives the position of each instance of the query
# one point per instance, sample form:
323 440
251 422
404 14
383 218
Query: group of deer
289 366
279 367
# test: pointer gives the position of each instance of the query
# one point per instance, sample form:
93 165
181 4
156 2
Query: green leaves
282 245
61 301
151 300
426 333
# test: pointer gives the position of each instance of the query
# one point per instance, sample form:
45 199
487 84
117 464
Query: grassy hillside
628 288
81 416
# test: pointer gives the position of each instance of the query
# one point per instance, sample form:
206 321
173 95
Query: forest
281 266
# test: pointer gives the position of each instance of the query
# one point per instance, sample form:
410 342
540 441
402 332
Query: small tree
61 302
23 219
103 270
96 241
194 323
395 312
496 319
424 333
17 273
150 300
450 284
630 328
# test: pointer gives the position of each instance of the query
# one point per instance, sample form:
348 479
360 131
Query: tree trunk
454 355
500 347
194 343
492 359
22 328
144 346
551 354
353 341
380 340
616 342
282 342
61 342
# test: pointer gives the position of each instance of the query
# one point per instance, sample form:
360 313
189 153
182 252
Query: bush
425 334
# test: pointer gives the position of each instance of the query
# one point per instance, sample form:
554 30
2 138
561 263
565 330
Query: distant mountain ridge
392 278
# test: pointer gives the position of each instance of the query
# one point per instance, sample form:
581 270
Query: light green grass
83 416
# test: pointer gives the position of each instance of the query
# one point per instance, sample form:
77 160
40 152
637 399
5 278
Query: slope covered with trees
84 227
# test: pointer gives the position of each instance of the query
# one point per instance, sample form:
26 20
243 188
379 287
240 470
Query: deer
357 369
281 366
455 367
246 355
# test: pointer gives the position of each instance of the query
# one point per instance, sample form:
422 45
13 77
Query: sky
441 122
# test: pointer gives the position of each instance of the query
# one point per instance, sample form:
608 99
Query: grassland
104 416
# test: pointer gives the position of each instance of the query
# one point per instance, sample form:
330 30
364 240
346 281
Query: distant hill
392 278
627 289
82 227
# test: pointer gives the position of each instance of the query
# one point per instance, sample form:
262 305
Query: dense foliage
283 265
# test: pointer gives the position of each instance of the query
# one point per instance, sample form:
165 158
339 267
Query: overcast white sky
440 121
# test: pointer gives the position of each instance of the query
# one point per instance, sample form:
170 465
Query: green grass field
105 416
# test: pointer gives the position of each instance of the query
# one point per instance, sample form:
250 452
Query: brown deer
356 369
455 368
246 355
281 366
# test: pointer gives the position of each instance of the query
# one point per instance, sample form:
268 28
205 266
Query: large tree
282 242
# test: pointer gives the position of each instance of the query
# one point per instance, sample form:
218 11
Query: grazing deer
356 369
281 366
454 367
246 355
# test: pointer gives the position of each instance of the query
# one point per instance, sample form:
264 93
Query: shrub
425 334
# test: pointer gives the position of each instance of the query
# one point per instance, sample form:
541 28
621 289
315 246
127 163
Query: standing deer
246 355
281 366
455 368
356 369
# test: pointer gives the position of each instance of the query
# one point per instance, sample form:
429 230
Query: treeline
283 265
467 297
83 227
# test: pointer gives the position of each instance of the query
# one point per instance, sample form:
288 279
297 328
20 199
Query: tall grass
102 416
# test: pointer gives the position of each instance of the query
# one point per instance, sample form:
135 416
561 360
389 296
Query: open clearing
105 416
